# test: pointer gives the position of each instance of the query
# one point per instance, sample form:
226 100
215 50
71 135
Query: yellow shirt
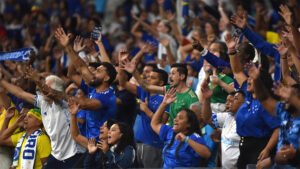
13 119
43 148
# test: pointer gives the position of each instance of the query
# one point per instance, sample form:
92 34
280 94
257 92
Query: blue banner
17 55
185 15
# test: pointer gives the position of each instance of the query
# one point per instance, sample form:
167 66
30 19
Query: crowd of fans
149 84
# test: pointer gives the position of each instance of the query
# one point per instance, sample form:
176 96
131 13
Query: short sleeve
218 119
271 121
16 137
38 100
140 93
43 146
197 138
279 109
163 132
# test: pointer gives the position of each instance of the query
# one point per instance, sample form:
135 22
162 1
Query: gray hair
58 83
198 106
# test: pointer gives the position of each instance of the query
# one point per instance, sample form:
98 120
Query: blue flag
185 15
17 55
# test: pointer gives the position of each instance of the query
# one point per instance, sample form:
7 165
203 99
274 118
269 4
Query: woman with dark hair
118 148
183 147
257 128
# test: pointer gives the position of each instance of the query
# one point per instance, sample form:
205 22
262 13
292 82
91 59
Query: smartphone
96 32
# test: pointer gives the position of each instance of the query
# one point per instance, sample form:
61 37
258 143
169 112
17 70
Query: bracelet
232 53
186 139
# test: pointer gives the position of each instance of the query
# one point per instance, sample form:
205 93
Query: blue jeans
53 163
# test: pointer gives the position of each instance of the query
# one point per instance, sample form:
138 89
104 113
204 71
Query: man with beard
102 100
185 95
289 132
101 103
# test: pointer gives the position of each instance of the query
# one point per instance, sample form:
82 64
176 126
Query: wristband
232 53
186 139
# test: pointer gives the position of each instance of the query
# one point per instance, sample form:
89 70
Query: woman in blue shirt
254 124
183 147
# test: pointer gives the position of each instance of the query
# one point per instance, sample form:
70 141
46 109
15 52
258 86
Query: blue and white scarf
28 156
17 55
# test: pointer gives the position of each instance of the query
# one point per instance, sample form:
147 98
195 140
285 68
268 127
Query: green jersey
220 95
184 100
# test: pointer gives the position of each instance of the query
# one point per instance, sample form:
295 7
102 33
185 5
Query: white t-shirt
56 120
229 138
162 52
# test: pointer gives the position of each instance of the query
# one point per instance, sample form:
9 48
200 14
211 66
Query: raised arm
5 137
80 139
103 53
206 109
282 49
156 121
235 63
64 40
287 16
17 91
262 94
146 26
171 18
125 64
166 44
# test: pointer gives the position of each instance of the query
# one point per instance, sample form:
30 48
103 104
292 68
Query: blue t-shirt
252 120
213 146
144 132
187 157
96 118
290 127
82 127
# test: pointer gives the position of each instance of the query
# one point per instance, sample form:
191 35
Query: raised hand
197 45
230 42
10 113
170 96
281 47
99 40
78 44
123 55
73 106
283 91
135 17
286 14
20 120
206 92
239 21
31 74
180 137
149 48
62 37
103 145
252 70
92 146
